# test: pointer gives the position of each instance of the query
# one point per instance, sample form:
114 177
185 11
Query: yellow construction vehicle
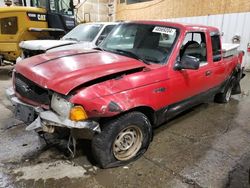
36 19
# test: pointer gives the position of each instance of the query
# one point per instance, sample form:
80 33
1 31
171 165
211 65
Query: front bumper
46 118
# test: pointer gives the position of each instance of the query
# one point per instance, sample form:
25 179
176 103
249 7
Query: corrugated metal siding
230 25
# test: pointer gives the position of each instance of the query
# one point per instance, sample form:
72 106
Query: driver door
186 83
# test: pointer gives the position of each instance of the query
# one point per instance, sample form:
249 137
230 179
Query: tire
226 95
122 140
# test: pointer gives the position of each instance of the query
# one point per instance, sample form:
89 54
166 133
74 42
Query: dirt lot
209 146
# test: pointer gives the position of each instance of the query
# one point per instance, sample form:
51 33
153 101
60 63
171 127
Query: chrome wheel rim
127 143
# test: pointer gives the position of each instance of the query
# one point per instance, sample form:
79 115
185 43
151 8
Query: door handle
208 73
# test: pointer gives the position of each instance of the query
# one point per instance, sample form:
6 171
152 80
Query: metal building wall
230 25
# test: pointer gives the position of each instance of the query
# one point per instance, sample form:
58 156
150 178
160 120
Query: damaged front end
68 89
41 119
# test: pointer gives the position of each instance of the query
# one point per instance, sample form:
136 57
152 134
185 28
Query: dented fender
120 95
110 105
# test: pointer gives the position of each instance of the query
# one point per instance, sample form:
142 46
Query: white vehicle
83 36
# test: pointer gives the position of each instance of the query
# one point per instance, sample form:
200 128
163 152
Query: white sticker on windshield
165 30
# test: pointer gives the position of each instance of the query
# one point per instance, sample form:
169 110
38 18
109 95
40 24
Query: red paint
138 89
65 73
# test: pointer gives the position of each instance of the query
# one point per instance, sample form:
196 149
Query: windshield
38 3
64 7
149 43
84 32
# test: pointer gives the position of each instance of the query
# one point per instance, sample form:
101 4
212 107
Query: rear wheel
226 95
122 140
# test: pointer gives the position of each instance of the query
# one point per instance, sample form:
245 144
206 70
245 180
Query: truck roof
183 26
22 9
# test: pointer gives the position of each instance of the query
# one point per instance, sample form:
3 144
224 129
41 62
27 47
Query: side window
104 33
216 46
195 45
192 37
65 7
9 25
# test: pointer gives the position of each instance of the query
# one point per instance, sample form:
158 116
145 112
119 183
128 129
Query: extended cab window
195 45
216 46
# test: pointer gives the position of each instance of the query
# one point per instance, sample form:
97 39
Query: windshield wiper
152 60
71 38
131 54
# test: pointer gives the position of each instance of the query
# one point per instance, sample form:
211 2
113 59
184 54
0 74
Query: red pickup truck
143 74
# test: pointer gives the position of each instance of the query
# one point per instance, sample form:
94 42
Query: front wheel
122 140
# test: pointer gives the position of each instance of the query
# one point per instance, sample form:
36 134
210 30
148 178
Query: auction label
165 30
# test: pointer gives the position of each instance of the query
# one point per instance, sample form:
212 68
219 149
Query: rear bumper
46 119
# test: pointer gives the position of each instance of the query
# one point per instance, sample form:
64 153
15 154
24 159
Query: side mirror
187 62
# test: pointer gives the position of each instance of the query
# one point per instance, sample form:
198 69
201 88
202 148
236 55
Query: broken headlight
61 105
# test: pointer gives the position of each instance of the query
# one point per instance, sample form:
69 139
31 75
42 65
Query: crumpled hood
44 44
65 70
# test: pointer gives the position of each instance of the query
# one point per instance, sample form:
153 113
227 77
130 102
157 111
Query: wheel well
147 111
235 73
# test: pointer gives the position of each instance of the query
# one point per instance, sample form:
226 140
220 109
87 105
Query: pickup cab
143 74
